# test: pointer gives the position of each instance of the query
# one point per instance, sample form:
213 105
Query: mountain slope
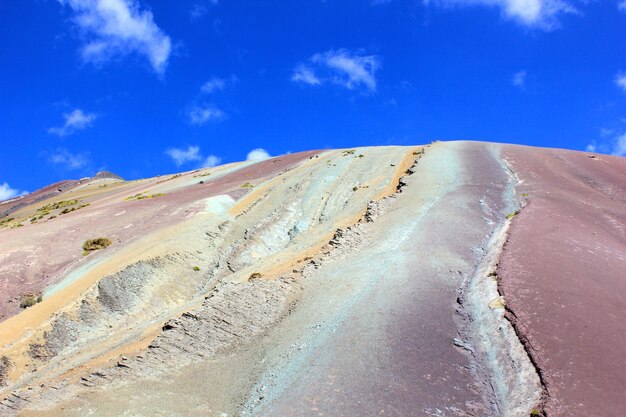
398 281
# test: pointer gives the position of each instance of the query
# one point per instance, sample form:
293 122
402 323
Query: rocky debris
377 208
122 291
233 315
13 402
114 295
4 369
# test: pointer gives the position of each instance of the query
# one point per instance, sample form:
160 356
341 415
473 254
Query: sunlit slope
368 281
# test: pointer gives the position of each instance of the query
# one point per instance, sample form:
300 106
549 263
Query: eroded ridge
121 297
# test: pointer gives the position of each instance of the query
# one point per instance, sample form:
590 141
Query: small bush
511 215
202 175
5 221
91 245
247 185
255 275
196 268
29 300
71 209
141 196
59 204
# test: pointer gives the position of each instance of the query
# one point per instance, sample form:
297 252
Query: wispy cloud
6 192
613 146
119 27
217 84
74 120
519 79
306 75
542 14
211 161
348 69
199 115
200 8
620 80
619 147
68 160
622 5
182 156
257 155
192 153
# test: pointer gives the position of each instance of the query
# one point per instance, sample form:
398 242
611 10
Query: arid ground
451 279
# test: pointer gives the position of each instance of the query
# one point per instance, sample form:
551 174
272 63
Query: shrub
5 221
29 300
141 196
255 275
98 243
511 215
202 175
71 209
59 204
196 268
247 185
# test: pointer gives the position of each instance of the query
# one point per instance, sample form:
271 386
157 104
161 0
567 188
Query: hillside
451 279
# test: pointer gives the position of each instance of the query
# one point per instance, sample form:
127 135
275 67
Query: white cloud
214 84
257 155
199 115
305 75
622 5
519 79
211 161
119 27
538 13
616 146
182 156
619 148
604 132
201 8
69 160
6 192
217 84
74 120
620 80
345 68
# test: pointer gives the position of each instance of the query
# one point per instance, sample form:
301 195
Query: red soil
563 274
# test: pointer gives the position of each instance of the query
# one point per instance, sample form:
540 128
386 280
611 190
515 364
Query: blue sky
147 87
